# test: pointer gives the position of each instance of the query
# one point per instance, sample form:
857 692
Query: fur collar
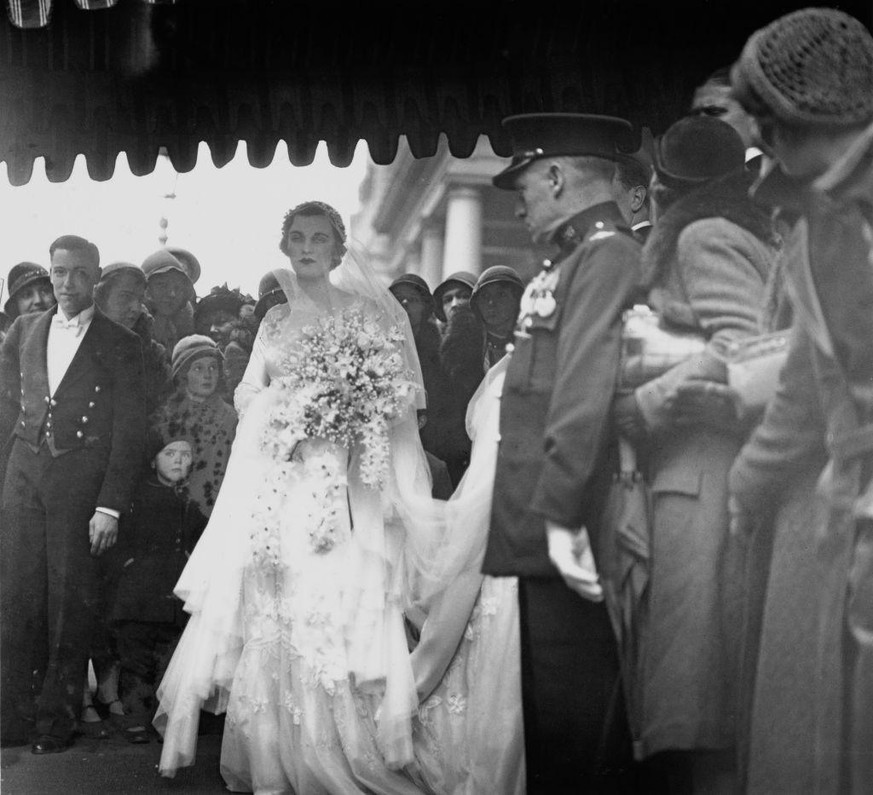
726 198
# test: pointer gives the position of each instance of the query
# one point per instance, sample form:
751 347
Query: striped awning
38 13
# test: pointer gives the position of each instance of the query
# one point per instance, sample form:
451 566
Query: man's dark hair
76 243
631 173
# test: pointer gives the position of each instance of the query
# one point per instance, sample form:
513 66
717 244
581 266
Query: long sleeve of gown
256 377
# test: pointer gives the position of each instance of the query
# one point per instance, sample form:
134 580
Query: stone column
463 246
431 267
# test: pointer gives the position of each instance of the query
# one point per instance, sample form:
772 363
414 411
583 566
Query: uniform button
79 434
510 347
47 398
53 403
599 225
48 425
97 388
91 404
84 420
23 423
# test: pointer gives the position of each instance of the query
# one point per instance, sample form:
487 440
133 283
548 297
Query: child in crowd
155 541
197 411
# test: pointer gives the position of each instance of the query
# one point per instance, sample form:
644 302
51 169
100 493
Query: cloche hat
23 275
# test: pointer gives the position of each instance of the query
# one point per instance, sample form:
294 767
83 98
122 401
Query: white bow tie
71 326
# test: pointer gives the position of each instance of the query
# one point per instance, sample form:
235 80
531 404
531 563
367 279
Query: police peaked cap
539 135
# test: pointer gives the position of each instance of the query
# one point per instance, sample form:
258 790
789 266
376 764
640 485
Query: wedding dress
298 633
468 732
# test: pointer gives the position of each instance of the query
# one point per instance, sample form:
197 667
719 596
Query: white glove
570 552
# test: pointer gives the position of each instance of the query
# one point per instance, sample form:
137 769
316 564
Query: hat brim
167 269
505 180
10 307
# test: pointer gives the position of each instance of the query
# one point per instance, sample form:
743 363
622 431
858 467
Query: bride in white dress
297 587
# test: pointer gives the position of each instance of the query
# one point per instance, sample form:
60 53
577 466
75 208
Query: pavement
112 766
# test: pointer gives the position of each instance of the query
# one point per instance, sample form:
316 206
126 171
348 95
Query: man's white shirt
64 338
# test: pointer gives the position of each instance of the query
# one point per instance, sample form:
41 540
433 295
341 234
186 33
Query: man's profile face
535 202
73 275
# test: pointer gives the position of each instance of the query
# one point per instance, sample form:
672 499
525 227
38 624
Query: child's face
202 378
173 463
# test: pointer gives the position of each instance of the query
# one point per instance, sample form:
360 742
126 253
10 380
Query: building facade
437 215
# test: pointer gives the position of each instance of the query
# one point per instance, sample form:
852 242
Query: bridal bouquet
346 381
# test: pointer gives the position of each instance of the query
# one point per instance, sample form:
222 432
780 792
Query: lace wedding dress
297 632
468 732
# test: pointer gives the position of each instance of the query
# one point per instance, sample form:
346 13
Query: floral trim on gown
301 642
468 733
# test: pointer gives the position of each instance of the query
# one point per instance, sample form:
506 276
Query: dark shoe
47 744
94 730
137 734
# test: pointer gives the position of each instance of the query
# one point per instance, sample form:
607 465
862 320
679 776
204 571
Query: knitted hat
813 66
190 348
23 275
496 274
696 149
459 278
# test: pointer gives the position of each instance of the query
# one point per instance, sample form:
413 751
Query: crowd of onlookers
195 353
731 671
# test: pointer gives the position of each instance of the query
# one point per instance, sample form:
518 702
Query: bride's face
311 246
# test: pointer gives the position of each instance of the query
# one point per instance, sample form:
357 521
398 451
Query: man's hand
570 552
102 532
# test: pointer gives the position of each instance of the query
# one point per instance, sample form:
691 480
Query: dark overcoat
554 415
157 537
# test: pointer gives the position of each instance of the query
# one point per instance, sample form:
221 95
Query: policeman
553 461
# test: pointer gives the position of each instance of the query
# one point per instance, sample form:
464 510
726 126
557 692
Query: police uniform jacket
98 406
553 456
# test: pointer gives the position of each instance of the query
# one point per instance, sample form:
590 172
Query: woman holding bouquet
297 586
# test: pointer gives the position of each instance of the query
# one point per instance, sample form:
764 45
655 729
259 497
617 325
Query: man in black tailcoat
71 383
553 469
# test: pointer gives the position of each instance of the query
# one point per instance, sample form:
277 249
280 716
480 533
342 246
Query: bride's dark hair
311 209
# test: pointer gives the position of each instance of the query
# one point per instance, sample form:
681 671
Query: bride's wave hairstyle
312 209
